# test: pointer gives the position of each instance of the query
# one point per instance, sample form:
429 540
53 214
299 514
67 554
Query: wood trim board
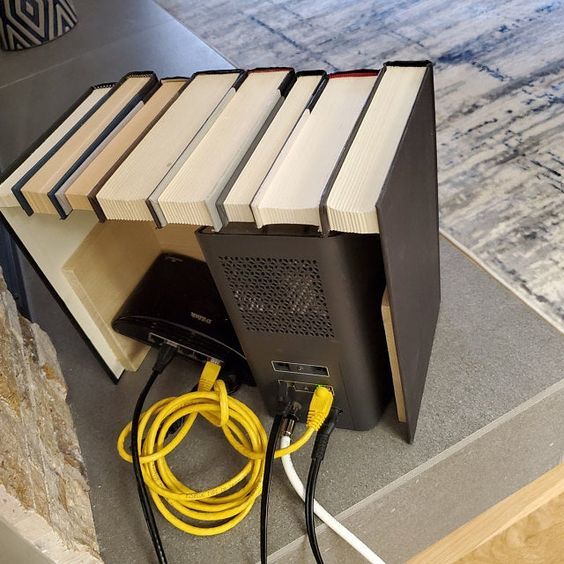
527 526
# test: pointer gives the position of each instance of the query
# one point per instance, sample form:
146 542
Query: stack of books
265 146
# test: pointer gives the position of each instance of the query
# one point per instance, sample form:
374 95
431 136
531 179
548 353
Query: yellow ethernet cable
244 432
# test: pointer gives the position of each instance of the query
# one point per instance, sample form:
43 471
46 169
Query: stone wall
43 487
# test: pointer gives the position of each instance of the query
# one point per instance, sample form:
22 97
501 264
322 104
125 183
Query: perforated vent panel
279 295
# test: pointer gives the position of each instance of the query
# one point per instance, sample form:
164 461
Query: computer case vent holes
279 295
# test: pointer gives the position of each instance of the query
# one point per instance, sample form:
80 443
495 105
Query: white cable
324 515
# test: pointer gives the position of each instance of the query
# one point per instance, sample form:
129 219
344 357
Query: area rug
500 108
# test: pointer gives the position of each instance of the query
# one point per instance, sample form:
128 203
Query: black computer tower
306 309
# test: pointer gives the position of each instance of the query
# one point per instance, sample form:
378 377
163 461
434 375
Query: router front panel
306 311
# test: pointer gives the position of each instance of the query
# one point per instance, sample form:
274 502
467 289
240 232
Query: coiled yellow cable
244 432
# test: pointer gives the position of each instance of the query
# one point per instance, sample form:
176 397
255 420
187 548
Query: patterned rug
500 107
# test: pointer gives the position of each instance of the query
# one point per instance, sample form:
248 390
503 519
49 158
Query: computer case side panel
306 310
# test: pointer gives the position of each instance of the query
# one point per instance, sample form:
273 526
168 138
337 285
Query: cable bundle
219 509
216 510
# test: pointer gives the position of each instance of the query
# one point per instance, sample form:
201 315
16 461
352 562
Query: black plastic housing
177 302
297 299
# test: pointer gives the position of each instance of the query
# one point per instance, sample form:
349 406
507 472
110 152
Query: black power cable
317 456
309 510
269 459
166 354
288 415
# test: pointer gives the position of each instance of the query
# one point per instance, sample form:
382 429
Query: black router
177 302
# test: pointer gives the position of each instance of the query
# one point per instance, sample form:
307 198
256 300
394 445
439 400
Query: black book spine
144 94
424 63
43 137
17 189
317 94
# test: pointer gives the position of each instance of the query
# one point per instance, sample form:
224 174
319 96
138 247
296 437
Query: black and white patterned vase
28 23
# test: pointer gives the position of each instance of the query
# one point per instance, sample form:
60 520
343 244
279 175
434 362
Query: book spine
319 73
242 77
287 83
284 88
356 72
154 214
271 69
92 196
97 208
103 85
174 78
323 214
219 71
423 63
317 93
17 189
143 95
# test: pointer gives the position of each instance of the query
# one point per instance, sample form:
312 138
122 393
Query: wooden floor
526 527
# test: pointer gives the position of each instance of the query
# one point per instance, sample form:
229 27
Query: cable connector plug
324 434
166 353
291 416
319 407
209 376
